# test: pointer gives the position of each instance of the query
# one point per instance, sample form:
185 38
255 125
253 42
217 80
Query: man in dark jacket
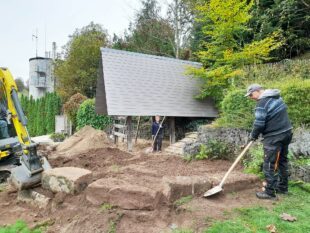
272 121
159 138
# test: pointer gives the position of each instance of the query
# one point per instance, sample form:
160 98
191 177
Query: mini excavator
20 163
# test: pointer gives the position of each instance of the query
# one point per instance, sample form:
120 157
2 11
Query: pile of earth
84 140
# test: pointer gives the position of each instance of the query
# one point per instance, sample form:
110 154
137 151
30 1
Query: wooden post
137 132
115 129
129 133
172 129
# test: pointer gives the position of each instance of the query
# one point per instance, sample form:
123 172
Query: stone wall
300 145
234 137
300 172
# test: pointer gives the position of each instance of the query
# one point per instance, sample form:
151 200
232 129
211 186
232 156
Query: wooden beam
115 131
172 130
119 126
119 134
129 133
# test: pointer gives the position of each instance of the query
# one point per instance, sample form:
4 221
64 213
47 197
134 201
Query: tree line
41 113
224 35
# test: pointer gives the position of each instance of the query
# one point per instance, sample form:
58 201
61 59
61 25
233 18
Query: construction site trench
95 186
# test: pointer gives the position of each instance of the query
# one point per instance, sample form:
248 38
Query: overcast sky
56 19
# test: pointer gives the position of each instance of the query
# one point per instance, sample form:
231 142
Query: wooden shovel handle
235 163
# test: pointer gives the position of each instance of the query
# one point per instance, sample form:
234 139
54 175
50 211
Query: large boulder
71 180
176 187
300 145
123 194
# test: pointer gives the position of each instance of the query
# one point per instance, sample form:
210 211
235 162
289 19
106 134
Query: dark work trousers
275 165
158 142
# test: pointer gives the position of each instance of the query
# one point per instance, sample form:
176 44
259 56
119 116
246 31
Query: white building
41 78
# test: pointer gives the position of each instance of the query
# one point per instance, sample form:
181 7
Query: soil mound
82 141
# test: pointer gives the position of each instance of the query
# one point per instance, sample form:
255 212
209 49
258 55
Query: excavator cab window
4 113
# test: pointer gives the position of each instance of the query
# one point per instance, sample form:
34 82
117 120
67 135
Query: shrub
254 160
296 95
236 110
71 107
86 115
58 137
214 149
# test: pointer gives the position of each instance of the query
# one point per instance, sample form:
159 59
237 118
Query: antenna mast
36 38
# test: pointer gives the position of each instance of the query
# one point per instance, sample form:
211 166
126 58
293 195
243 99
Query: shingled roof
135 84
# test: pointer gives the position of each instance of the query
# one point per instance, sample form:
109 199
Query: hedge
41 113
86 115
238 111
296 95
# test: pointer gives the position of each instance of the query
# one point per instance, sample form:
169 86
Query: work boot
264 195
280 191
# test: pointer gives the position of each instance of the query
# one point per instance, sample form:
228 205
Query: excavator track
6 167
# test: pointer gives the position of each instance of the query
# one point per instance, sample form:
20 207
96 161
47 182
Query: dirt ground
67 213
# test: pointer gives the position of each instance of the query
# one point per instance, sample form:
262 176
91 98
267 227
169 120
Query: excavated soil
67 213
82 141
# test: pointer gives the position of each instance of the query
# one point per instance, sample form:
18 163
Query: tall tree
78 71
290 16
20 84
148 33
225 51
180 15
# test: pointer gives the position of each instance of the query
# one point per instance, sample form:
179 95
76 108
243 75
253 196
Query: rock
71 180
33 198
179 186
300 145
121 193
300 172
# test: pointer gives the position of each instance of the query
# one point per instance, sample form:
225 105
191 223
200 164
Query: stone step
175 187
175 150
236 181
192 135
179 144
188 140
128 194
122 193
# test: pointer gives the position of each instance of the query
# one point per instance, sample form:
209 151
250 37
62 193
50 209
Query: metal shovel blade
213 191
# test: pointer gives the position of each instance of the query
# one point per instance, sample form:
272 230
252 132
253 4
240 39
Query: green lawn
250 220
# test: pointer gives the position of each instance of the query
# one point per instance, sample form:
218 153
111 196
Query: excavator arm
31 164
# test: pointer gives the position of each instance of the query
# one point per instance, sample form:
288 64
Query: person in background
159 137
272 122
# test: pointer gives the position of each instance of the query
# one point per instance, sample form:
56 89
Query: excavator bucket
22 178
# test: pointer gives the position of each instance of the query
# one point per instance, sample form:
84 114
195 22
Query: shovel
219 188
